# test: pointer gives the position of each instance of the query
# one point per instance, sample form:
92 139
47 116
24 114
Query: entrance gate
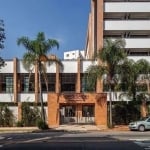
77 114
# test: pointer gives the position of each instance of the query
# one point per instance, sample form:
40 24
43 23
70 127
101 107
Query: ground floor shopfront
77 108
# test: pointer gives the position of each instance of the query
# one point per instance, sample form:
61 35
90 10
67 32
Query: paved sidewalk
67 128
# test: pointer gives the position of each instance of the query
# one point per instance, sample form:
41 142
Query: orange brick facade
56 100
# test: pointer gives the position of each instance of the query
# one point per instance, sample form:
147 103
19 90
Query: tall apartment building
128 19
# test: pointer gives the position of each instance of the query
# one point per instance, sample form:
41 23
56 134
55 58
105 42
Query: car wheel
142 128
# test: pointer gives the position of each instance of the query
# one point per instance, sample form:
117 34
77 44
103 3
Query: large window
48 82
85 85
68 111
6 83
27 82
68 82
88 110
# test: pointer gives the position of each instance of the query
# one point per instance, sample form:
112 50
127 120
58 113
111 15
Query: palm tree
134 74
110 56
37 55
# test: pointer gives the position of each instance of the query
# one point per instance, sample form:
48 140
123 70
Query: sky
63 20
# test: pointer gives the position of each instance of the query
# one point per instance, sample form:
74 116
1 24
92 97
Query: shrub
6 116
30 115
19 124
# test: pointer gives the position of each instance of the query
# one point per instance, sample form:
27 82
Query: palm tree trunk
41 96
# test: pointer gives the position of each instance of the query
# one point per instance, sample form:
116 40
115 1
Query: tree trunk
41 96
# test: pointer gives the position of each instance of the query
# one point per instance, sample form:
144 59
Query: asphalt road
76 141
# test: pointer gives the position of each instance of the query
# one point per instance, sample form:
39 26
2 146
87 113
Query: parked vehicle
141 125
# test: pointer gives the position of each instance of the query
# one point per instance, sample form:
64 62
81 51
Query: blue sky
64 20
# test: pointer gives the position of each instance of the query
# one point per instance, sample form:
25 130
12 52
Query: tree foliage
133 76
6 116
30 115
37 55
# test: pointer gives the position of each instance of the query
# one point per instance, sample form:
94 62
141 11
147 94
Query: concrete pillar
78 83
15 80
57 87
99 24
101 109
53 110
19 111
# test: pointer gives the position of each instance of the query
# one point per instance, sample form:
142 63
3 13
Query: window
27 82
88 111
85 85
48 82
68 82
7 83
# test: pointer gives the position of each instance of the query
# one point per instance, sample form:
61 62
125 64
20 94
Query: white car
141 125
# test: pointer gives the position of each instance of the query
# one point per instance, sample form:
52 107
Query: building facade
74 54
127 19
66 97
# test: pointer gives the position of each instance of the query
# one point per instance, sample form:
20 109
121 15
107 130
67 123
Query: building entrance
77 114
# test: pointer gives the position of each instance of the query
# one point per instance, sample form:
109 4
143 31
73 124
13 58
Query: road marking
38 139
140 140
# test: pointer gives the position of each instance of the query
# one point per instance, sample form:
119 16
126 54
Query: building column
53 110
101 109
78 83
99 20
99 24
57 86
19 111
15 80
36 84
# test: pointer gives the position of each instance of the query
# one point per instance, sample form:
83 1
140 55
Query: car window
143 119
148 120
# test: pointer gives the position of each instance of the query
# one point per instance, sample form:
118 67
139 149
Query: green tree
37 55
2 38
109 56
135 80
30 115
133 75
6 116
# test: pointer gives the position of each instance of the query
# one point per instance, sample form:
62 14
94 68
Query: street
76 141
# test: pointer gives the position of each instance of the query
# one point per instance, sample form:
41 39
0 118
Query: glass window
7 83
27 82
69 111
48 82
68 82
85 85
88 111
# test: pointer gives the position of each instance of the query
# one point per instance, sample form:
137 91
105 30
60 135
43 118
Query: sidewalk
64 128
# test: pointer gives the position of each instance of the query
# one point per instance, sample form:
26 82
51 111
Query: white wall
86 64
70 66
127 25
127 7
8 68
6 97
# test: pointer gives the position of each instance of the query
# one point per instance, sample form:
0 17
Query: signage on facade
75 97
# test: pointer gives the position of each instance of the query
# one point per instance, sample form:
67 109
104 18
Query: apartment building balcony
127 25
127 6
